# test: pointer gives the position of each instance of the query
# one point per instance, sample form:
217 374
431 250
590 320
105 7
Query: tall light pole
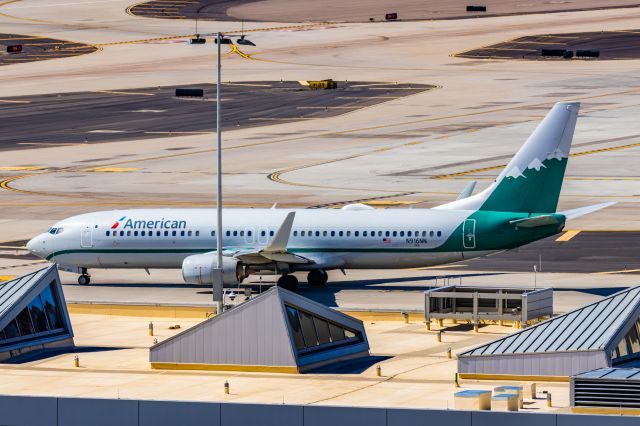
218 296
217 272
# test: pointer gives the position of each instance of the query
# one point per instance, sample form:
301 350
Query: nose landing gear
85 278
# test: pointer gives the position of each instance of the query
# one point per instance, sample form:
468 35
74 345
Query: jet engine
196 269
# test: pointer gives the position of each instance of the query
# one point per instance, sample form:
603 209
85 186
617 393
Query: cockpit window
54 231
59 230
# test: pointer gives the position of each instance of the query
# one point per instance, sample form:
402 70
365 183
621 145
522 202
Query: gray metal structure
598 335
479 304
33 314
52 411
607 387
277 331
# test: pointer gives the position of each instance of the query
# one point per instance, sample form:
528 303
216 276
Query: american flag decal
386 240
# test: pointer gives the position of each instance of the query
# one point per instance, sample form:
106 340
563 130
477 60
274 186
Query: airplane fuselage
362 239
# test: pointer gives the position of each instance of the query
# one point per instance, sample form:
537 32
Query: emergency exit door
86 237
469 234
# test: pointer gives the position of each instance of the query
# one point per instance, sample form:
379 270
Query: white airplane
517 208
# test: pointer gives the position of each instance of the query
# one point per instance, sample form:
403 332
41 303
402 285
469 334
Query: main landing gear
288 282
317 277
85 278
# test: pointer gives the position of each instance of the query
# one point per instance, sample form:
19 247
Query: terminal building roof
599 335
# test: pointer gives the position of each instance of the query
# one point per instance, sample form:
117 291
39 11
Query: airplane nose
34 245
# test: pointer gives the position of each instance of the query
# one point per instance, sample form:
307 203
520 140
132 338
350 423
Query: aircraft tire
317 277
84 280
288 282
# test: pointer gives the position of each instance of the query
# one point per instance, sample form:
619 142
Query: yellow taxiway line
623 271
567 236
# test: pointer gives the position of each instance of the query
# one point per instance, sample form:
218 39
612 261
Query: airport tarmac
153 112
39 48
614 45
354 11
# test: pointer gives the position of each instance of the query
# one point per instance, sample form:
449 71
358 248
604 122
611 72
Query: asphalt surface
39 49
353 11
587 252
106 116
611 44
212 10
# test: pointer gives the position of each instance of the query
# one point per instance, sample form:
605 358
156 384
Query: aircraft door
469 234
86 237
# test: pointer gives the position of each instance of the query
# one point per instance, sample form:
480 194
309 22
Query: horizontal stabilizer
581 211
468 190
534 222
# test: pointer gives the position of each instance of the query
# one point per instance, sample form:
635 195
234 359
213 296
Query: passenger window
197 233
317 233
431 233
174 233
364 233
189 233
135 233
340 234
271 233
166 233
235 233
395 233
348 233
262 233
128 233
143 233
424 233
295 233
228 233
157 233
439 233
324 233
387 233
408 233
302 233
242 233
248 233
182 233
108 233
402 233
380 234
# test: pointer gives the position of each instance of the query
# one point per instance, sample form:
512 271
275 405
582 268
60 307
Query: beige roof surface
114 362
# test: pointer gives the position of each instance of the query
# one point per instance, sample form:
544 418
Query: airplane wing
276 250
